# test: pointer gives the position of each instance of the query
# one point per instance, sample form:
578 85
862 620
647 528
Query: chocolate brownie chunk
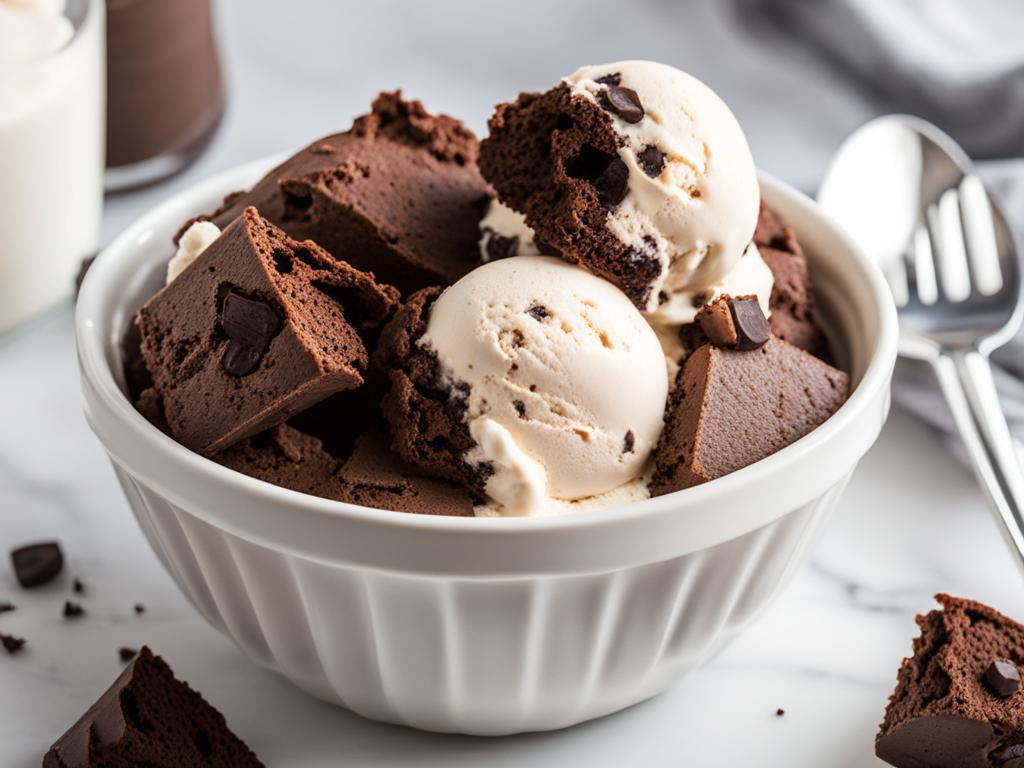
427 413
375 477
734 322
772 233
372 475
149 718
398 195
949 707
731 408
37 564
794 314
258 328
554 157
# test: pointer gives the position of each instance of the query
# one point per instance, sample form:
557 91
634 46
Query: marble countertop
911 523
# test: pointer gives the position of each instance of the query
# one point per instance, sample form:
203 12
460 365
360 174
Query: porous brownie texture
149 718
372 475
794 311
258 328
943 713
549 156
427 412
730 408
398 195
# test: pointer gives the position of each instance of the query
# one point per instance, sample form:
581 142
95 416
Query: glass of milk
52 96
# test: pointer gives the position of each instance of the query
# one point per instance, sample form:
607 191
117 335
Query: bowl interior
858 316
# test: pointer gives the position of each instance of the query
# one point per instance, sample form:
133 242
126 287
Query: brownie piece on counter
958 700
554 158
730 408
372 475
426 412
258 328
398 195
149 718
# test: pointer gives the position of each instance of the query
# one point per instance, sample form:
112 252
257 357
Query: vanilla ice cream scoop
693 194
565 380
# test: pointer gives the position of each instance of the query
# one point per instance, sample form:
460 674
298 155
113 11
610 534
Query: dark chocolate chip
613 78
538 312
629 442
72 610
612 184
37 564
126 654
623 102
780 712
11 643
5 607
139 608
250 325
652 160
1003 757
520 407
752 328
78 586
1002 678
500 247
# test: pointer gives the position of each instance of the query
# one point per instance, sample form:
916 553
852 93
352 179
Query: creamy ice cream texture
566 383
196 239
693 189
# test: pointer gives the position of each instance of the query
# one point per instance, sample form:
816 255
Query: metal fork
958 292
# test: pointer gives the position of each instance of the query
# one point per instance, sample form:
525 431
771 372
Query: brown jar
165 91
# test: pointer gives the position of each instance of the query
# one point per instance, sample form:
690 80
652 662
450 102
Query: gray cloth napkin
958 63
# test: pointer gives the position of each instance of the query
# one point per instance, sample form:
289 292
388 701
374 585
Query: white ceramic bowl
474 625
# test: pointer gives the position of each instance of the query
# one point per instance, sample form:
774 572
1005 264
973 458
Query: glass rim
89 19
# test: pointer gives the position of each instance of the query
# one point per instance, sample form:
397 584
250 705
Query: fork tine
923 268
948 247
980 236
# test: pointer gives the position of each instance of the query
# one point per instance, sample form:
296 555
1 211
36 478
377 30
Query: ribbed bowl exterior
467 655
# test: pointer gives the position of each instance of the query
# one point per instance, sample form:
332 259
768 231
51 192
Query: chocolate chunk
623 102
520 407
250 324
126 654
11 643
5 607
139 609
1009 757
629 442
652 160
147 717
72 610
78 586
612 184
752 328
37 564
611 79
1002 678
538 312
500 247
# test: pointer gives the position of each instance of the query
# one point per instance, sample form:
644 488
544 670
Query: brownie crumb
5 607
780 712
37 564
126 654
629 442
77 586
139 609
72 610
11 643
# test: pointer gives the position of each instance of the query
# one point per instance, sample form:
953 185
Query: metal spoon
911 197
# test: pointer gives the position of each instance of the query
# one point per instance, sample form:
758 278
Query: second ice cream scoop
564 380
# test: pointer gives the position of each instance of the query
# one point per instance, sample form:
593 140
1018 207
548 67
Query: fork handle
970 390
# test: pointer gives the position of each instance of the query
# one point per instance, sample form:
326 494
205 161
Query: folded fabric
958 63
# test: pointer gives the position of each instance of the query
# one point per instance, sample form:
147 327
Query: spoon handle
967 383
